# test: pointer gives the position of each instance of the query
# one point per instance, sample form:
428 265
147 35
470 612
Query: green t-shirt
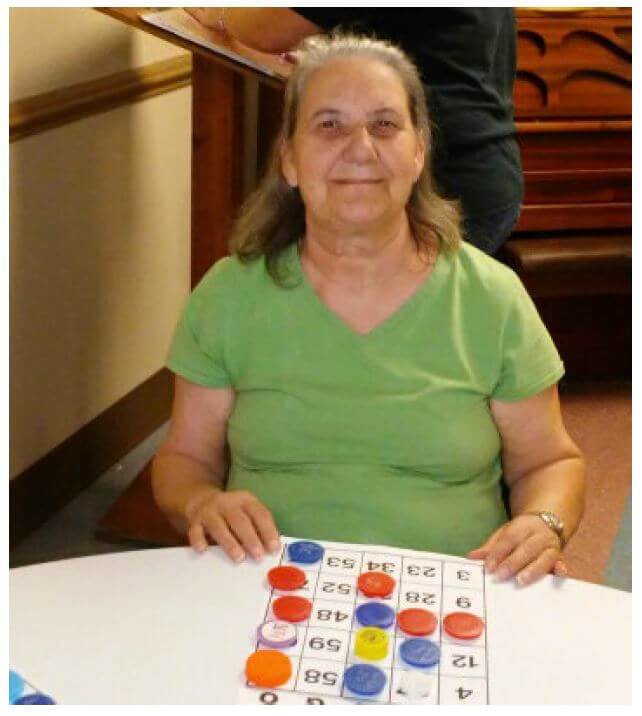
380 438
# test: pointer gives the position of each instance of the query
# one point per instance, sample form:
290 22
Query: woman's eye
329 124
385 125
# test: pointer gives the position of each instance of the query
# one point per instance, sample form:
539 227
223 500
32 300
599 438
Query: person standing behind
467 58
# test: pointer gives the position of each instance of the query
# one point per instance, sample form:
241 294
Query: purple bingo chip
277 634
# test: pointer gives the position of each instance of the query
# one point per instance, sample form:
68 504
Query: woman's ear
288 167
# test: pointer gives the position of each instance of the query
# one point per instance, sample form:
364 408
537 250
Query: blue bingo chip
364 679
420 652
305 552
36 699
16 686
375 614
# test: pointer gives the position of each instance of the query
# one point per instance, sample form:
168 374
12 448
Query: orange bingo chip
376 584
268 668
462 625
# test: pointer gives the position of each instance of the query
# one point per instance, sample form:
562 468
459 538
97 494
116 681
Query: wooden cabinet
572 246
574 64
573 112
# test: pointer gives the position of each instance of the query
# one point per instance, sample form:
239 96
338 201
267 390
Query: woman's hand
236 520
524 547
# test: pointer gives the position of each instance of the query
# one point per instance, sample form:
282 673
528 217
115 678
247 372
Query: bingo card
345 623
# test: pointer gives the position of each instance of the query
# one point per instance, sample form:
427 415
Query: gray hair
273 216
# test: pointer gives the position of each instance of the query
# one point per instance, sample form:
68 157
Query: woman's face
355 153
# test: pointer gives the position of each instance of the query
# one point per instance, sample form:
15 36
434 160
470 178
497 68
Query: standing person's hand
236 520
207 16
211 17
525 548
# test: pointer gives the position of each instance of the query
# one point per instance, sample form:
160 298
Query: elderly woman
376 377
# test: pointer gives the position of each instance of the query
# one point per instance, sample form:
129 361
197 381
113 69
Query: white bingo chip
277 634
414 686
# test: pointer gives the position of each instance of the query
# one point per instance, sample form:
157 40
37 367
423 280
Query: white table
167 626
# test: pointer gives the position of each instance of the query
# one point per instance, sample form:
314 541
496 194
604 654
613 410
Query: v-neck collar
428 286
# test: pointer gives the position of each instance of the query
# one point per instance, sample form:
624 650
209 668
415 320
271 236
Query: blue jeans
488 231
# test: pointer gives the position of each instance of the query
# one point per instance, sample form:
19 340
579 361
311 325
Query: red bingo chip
376 584
292 609
462 625
286 578
417 622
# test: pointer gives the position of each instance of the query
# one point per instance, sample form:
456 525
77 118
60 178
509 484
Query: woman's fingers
524 553
196 536
481 551
220 532
518 544
236 520
509 538
560 568
538 567
264 524
243 528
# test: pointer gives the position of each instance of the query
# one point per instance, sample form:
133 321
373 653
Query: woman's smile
357 182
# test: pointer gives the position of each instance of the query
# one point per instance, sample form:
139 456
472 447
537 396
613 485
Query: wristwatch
553 521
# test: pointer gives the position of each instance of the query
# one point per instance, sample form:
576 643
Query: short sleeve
197 349
530 361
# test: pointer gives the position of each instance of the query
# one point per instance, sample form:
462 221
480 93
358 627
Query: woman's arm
544 471
188 477
267 29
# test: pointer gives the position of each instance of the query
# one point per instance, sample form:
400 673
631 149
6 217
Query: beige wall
99 230
55 47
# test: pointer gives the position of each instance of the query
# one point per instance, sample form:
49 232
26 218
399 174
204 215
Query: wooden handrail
52 109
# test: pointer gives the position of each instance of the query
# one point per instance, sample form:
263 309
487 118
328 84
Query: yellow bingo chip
371 643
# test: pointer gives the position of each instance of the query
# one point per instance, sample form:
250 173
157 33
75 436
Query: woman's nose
360 147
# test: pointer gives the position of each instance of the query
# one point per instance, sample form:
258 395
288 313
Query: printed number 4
464 693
